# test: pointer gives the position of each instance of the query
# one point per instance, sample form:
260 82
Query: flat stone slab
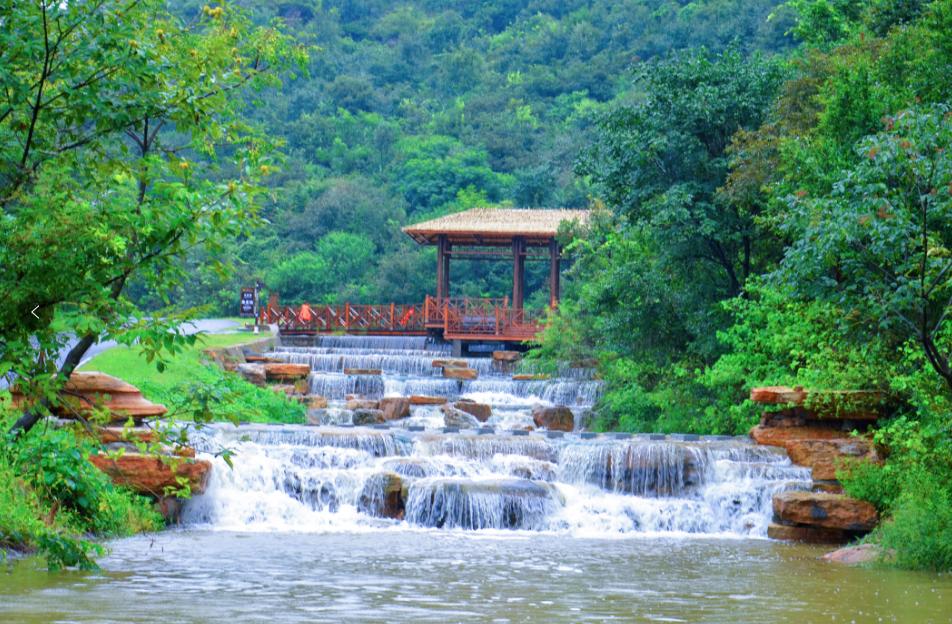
807 535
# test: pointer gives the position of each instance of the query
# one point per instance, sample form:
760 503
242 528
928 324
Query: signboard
247 305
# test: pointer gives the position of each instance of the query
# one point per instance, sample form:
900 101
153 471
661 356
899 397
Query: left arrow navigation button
33 311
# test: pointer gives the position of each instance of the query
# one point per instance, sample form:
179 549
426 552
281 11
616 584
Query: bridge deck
454 319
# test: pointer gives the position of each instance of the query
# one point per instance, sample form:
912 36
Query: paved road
211 326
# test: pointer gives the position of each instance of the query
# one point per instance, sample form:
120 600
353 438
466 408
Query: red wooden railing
456 318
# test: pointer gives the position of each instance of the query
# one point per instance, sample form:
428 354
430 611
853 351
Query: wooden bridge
508 234
460 318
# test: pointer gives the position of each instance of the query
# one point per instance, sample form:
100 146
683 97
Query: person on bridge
305 315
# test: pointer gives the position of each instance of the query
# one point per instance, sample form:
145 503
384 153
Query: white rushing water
336 477
299 478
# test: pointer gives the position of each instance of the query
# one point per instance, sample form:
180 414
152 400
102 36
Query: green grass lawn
189 383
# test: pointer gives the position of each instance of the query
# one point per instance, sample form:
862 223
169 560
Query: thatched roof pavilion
519 228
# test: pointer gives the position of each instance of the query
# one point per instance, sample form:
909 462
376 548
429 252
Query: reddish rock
356 404
824 404
151 475
481 411
111 435
828 485
507 356
530 377
855 555
460 373
444 363
780 436
808 535
419 399
830 511
260 359
825 456
88 390
302 386
286 371
363 371
394 408
777 395
286 389
558 418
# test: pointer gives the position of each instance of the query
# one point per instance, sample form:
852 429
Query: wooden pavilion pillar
554 262
442 268
518 271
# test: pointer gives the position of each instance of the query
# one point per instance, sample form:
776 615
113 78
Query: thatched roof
495 225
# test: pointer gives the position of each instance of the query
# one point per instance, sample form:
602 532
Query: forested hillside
418 108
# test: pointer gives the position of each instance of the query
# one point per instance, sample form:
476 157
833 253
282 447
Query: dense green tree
111 122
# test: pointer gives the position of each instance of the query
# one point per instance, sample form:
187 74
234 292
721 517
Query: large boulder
382 496
481 411
557 418
151 475
453 372
368 417
394 408
286 371
454 417
824 404
825 456
253 373
830 511
87 391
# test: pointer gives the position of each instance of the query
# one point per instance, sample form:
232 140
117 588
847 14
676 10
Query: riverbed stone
286 371
530 377
455 372
820 509
481 411
855 555
356 404
315 401
454 417
556 418
394 408
382 496
368 417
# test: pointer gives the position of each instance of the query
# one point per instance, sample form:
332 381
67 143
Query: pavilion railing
457 317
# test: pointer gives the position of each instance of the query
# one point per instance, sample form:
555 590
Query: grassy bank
192 387
55 503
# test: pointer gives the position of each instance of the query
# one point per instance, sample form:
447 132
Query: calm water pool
399 575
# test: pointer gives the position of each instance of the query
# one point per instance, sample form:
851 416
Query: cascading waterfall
303 478
341 478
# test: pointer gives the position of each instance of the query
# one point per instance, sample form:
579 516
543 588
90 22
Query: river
336 523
